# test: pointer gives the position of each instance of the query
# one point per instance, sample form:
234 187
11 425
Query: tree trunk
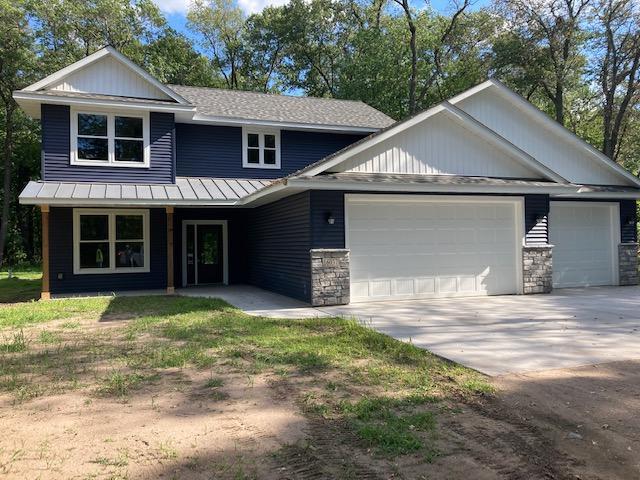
6 193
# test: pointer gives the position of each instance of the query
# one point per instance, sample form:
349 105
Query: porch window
105 138
261 148
110 241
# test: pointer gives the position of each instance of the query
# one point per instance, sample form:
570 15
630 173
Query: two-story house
153 186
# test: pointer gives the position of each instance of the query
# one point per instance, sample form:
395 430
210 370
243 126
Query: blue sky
175 10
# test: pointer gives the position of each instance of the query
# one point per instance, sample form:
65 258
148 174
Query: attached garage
585 236
414 246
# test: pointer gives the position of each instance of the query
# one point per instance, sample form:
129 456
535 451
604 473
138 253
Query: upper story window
114 139
260 148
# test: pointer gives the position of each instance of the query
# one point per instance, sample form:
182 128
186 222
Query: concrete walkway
255 301
494 335
515 334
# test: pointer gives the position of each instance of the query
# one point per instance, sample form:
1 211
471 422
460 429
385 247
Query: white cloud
255 6
249 6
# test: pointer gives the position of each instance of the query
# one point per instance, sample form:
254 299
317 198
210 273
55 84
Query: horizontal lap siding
536 231
628 233
279 240
56 152
216 151
236 225
61 258
323 204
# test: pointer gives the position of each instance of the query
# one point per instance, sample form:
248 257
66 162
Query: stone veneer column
628 263
329 276
537 269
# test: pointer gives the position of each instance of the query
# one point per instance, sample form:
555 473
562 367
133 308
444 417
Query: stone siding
628 263
329 276
537 269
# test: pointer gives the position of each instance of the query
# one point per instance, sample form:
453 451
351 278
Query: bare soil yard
155 387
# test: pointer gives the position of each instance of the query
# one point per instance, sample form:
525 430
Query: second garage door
584 236
419 247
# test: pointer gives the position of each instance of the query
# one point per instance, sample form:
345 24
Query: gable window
109 139
260 148
110 241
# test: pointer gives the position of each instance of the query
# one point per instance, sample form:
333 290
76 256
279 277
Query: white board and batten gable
515 119
438 145
487 131
106 72
109 76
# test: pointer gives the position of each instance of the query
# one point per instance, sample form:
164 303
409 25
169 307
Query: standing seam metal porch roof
186 189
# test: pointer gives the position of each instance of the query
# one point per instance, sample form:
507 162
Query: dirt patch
98 402
589 414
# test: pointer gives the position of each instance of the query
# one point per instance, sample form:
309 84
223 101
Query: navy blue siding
56 152
61 259
323 204
628 221
279 239
236 231
216 151
536 219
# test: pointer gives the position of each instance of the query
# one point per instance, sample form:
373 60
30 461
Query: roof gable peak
104 53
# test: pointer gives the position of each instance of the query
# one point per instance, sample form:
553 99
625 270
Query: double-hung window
110 241
260 148
114 139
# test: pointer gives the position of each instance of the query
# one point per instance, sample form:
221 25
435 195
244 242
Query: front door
204 254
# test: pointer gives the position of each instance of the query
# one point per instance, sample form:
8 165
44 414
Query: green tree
221 26
16 70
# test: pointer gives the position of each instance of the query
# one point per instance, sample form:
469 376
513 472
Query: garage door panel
583 238
431 248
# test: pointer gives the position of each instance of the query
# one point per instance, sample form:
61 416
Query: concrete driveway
515 334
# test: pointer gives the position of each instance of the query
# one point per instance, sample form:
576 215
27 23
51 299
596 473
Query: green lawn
23 286
386 392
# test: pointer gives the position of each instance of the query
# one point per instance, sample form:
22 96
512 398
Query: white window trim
77 212
111 161
261 133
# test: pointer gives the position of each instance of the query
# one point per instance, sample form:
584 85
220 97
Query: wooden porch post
45 294
170 286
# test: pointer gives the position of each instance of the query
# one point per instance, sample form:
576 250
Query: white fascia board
230 121
22 96
393 130
86 61
311 183
520 102
470 123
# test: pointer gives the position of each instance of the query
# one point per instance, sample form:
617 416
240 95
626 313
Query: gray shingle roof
236 104
186 190
428 179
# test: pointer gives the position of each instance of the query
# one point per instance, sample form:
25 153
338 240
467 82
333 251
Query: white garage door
584 238
421 247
